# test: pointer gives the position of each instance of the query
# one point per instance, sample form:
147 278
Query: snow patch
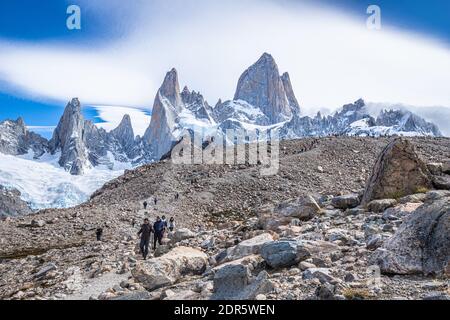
44 184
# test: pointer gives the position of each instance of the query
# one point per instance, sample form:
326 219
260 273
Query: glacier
44 184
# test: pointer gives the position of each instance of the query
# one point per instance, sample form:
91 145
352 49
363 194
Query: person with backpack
171 224
145 205
158 228
145 233
164 220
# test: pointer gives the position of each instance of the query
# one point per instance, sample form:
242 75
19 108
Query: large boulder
169 268
284 253
235 282
421 245
181 234
398 172
303 208
248 247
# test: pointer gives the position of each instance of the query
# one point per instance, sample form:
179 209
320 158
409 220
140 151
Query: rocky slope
299 234
11 204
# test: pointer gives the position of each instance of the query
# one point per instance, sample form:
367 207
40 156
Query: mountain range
264 100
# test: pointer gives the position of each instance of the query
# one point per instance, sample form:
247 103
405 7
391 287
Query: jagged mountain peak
266 58
185 90
293 102
261 86
68 139
20 122
74 105
125 129
357 105
126 121
170 89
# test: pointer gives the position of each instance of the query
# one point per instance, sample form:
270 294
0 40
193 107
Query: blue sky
431 17
122 52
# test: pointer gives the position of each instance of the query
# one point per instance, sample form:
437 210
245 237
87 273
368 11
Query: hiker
145 232
133 222
177 196
156 201
158 228
145 205
164 220
99 234
171 224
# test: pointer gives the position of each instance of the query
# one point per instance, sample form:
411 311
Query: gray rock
437 195
413 198
249 247
442 182
325 291
398 172
350 277
231 278
354 211
284 253
37 223
322 274
346 202
45 270
303 208
233 282
135 296
208 244
169 268
421 244
378 206
446 167
374 242
182 234
435 168
183 295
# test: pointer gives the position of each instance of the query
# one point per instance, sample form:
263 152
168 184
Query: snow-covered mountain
264 100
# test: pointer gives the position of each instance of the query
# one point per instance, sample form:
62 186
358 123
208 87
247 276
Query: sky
120 56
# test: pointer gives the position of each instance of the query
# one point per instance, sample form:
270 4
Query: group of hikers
159 229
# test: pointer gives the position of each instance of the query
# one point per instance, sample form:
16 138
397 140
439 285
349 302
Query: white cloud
332 58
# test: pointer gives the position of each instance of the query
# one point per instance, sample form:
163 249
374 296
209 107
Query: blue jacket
159 226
